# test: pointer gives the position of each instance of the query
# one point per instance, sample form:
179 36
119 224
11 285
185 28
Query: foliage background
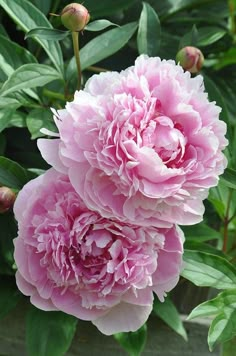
39 72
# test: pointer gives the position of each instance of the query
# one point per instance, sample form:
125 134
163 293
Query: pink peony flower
71 259
143 145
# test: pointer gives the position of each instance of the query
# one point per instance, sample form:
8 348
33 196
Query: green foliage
39 72
169 314
223 307
49 333
133 343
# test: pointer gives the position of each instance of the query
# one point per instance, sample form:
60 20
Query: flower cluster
136 154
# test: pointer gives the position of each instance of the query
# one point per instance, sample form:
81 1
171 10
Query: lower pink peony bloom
143 145
71 259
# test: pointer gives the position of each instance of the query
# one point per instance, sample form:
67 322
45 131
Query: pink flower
143 145
71 259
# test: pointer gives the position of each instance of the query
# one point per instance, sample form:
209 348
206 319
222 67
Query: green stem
75 38
226 221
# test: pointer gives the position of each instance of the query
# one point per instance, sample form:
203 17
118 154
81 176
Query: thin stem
226 221
75 38
97 69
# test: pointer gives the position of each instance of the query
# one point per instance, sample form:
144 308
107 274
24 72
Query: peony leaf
149 31
107 7
106 44
169 314
229 178
29 76
12 175
38 119
208 270
200 232
50 34
133 342
99 25
49 333
5 117
27 16
223 307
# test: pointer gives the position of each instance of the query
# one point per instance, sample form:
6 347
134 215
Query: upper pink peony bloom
143 145
71 259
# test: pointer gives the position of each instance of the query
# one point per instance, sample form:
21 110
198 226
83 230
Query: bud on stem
7 199
190 58
75 17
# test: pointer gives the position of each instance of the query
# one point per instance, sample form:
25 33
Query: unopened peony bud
75 17
7 199
190 58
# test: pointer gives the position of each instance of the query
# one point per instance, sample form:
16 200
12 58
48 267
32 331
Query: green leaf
106 44
27 16
38 119
9 296
227 58
18 119
5 117
50 34
107 7
223 327
149 31
6 102
200 232
133 342
13 56
12 175
209 34
99 25
29 76
207 270
169 314
202 247
49 333
43 5
215 95
229 178
190 38
8 233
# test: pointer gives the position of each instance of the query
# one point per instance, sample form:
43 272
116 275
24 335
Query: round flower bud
75 17
190 58
7 199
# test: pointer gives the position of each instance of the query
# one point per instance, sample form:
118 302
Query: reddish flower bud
7 199
75 17
190 58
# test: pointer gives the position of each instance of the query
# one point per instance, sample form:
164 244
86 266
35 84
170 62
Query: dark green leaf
8 233
133 342
27 16
190 38
43 5
106 44
6 102
50 34
38 119
99 25
202 247
229 178
169 314
13 56
227 58
229 347
18 119
207 270
215 95
29 76
49 333
106 7
12 174
200 232
149 31
5 117
9 296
